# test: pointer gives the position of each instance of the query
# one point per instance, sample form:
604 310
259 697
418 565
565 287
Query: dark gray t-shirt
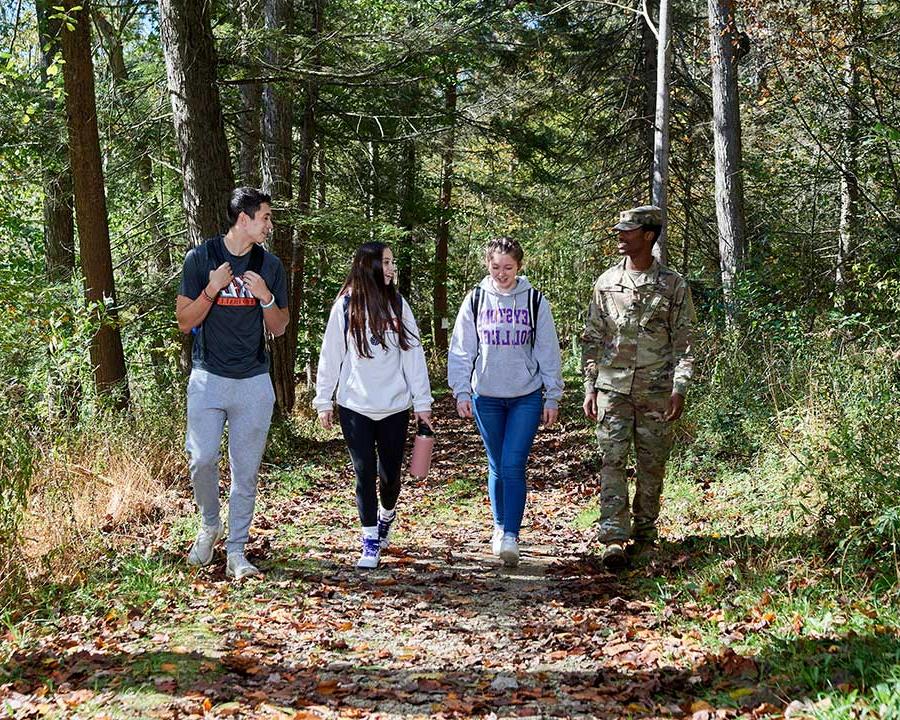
232 332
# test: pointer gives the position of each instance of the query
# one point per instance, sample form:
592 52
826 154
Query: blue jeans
508 427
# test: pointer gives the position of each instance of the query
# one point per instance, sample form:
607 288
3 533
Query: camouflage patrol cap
638 217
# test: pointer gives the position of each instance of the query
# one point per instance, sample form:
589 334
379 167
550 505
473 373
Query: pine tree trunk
249 119
107 355
648 100
661 126
115 51
441 318
727 143
190 54
406 252
277 182
59 226
850 193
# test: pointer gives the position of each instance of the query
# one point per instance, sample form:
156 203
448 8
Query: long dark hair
371 296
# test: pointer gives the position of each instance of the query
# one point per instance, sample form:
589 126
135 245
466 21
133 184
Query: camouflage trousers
621 421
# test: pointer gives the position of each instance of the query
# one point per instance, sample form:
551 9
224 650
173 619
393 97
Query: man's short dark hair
655 229
245 200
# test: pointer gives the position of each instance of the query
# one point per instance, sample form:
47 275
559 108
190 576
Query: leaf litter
440 630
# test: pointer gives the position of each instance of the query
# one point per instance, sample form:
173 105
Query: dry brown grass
112 488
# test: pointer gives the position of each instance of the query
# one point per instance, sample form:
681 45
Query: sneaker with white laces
371 553
509 550
238 567
202 550
385 523
496 539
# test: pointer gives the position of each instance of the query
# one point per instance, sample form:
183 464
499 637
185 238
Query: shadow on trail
244 674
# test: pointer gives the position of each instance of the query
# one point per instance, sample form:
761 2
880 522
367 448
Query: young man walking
637 362
232 293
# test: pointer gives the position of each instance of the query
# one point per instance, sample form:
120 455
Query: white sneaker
238 567
509 550
496 539
202 550
371 554
385 524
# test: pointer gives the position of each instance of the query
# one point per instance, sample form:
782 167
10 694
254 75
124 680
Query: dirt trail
441 629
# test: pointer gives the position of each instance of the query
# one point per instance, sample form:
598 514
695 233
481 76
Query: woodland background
435 126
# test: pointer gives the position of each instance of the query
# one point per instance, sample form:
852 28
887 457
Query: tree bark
276 181
249 120
441 318
648 101
190 55
59 226
727 142
107 355
406 252
112 41
848 235
661 126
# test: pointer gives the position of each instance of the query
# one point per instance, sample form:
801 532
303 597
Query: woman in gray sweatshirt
504 370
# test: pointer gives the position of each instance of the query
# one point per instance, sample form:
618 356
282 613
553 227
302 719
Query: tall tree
648 55
851 130
441 318
190 54
661 123
249 118
276 181
59 226
107 355
723 41
113 44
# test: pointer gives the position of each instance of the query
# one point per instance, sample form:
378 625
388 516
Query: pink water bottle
420 463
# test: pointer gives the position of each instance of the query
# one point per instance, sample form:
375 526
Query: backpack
214 258
476 300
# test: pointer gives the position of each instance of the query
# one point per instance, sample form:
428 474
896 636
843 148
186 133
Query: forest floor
705 627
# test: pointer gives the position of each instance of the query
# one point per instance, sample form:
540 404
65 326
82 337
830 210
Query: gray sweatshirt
497 359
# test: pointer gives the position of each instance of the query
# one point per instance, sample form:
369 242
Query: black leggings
363 436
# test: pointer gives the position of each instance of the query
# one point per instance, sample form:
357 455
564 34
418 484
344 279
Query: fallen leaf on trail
75 698
617 648
168 667
700 705
766 709
327 687
737 665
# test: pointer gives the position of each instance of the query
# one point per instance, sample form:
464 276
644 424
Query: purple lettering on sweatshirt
497 326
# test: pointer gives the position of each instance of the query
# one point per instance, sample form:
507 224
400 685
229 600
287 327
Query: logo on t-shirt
236 293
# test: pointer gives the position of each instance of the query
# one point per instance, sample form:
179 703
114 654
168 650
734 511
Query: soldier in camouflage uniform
637 362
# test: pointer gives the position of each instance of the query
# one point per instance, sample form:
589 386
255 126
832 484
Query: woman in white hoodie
504 369
372 354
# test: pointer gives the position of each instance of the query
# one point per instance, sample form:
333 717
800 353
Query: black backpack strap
534 304
257 254
475 303
346 307
212 248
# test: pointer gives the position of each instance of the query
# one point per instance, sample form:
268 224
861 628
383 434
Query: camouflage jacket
638 338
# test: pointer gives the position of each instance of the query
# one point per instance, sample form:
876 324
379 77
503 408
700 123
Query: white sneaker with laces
371 554
509 550
238 567
497 539
385 524
202 550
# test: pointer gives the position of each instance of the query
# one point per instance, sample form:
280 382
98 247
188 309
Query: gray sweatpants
246 404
